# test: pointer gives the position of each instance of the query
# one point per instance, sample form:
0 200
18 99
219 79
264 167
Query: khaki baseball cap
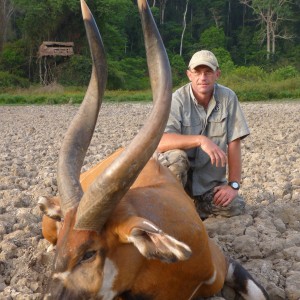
204 57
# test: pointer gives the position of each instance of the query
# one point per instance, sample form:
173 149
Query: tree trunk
272 14
162 11
2 25
184 26
191 22
229 19
6 10
273 42
216 16
268 39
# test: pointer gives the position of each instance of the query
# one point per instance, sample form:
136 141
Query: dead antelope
128 229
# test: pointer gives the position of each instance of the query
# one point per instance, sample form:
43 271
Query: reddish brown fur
149 243
158 197
170 209
49 229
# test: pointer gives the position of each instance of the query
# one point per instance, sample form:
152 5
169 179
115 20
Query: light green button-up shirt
223 122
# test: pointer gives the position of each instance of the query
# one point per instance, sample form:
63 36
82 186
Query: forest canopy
263 34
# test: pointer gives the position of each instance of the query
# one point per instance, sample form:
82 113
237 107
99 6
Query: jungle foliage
247 49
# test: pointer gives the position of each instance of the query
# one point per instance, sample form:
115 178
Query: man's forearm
171 141
234 161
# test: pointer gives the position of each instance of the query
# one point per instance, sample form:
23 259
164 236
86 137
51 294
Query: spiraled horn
110 186
79 134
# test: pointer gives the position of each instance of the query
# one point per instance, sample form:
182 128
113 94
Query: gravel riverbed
266 240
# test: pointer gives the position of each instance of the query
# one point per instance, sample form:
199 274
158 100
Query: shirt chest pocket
217 125
191 126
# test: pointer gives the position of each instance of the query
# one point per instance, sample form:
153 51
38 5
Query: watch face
235 185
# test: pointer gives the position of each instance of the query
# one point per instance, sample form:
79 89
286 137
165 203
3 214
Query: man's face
203 79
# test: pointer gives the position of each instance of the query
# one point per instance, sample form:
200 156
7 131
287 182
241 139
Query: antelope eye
88 256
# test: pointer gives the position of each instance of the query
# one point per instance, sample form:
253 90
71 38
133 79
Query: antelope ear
50 206
152 242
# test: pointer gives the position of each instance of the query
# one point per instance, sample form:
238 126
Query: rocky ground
266 240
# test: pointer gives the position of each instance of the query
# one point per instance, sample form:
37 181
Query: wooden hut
56 49
48 50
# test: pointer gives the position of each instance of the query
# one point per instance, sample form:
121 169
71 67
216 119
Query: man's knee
206 207
235 208
177 162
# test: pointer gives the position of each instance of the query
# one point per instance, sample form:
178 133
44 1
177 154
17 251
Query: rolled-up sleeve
236 123
174 124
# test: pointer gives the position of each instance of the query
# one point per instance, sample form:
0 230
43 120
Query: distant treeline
257 40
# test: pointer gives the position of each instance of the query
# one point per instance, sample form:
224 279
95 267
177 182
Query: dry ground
266 240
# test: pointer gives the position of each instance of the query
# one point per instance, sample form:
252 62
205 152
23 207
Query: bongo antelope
127 229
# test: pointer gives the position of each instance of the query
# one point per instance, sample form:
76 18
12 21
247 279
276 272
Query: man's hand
224 194
216 154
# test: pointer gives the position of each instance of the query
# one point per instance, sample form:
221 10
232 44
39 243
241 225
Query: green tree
224 59
13 58
112 17
245 45
226 27
213 37
272 14
178 67
128 74
6 11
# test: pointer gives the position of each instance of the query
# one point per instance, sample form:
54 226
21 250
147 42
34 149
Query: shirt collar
212 103
192 94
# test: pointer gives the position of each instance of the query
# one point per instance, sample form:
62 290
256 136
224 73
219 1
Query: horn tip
142 4
86 13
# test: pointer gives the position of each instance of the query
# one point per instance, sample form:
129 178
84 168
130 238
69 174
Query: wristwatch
234 184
